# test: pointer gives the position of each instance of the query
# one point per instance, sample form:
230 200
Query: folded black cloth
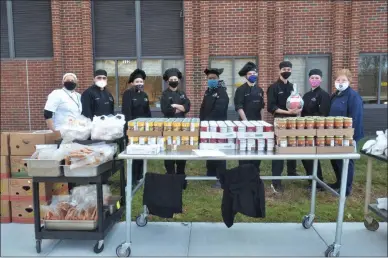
243 192
163 194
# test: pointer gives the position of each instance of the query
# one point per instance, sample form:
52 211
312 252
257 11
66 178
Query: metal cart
124 249
369 222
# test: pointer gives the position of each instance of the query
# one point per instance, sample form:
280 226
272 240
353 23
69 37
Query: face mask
212 83
139 86
252 78
341 86
173 84
70 85
314 83
101 84
285 75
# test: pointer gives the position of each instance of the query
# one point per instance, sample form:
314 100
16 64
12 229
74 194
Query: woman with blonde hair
346 102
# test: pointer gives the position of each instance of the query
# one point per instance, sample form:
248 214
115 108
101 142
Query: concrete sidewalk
208 240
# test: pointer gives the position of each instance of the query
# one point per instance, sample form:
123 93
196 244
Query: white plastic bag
45 151
368 146
78 128
382 203
294 101
108 128
381 144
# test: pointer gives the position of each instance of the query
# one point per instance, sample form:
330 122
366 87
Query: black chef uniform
277 95
170 97
316 103
251 100
135 105
97 101
214 107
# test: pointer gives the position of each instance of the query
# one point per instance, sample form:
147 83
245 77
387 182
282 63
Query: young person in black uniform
316 103
214 107
174 103
97 100
277 95
135 105
249 101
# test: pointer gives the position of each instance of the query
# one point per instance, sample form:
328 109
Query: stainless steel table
124 249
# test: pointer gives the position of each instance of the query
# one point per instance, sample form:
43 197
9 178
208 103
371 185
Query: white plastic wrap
368 146
108 128
78 128
294 101
45 151
381 144
382 203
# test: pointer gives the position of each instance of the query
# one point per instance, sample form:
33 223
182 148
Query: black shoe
185 185
293 174
277 188
335 186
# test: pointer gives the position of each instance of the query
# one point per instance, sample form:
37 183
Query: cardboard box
297 132
19 167
21 190
4 189
335 150
23 211
5 211
4 167
217 146
348 132
60 189
181 133
181 147
4 148
296 150
144 133
23 143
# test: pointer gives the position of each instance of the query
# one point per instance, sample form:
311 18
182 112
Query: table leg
368 187
37 224
142 220
308 220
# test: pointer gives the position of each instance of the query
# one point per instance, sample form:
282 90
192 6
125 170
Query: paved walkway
162 239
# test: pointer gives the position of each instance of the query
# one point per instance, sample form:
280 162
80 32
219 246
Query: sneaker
217 185
277 188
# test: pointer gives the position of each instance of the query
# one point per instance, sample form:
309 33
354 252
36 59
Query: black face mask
173 84
285 75
70 85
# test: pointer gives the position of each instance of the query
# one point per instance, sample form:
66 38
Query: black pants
337 167
215 167
309 166
172 169
256 163
277 169
137 170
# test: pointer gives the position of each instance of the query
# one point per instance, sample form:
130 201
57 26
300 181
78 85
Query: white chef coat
64 104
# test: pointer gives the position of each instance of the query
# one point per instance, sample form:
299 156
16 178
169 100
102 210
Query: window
301 66
31 28
119 71
231 65
372 78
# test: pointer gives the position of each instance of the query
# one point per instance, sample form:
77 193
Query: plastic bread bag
368 146
381 144
78 128
294 101
108 128
88 193
58 208
44 151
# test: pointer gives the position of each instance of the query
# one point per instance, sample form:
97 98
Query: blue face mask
212 84
252 78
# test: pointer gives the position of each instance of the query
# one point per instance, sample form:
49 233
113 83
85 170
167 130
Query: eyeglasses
101 78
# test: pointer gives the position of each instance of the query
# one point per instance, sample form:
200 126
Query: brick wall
265 29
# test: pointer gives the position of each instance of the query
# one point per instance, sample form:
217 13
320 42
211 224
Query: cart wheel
141 221
306 222
99 247
330 252
373 226
121 252
38 246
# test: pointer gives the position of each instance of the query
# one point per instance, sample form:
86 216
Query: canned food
142 140
167 125
141 126
194 125
281 123
151 140
149 126
320 142
300 123
291 123
176 140
177 126
348 141
338 122
301 141
131 125
292 141
339 140
204 140
310 123
320 123
168 140
329 123
134 140
158 126
329 141
194 141
283 142
186 126
185 140
310 141
204 126
348 122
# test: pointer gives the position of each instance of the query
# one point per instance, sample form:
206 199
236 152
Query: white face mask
101 84
341 86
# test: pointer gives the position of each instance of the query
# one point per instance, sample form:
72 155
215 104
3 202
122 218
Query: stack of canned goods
313 122
181 125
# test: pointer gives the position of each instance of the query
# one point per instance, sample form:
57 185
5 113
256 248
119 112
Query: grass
202 203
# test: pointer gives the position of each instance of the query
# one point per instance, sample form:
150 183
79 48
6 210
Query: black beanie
315 72
100 72
285 64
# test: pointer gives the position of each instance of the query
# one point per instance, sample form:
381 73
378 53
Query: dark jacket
316 103
135 104
97 102
349 104
163 194
251 100
214 105
277 95
243 192
174 97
